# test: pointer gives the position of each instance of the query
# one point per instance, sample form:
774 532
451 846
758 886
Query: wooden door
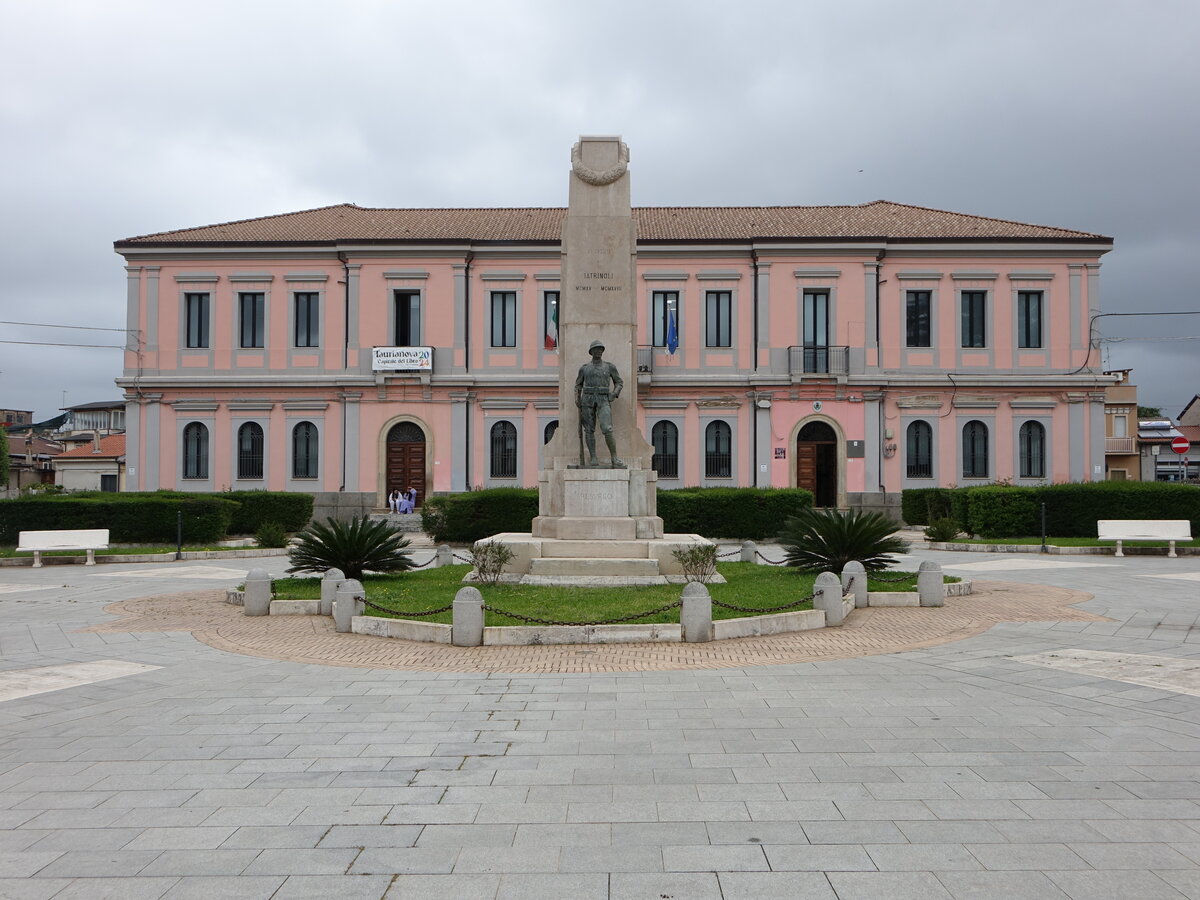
806 466
406 460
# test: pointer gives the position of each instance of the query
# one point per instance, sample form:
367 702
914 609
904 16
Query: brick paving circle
866 632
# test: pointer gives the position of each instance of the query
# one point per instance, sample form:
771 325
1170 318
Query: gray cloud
131 117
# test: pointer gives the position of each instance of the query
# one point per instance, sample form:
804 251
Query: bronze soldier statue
593 396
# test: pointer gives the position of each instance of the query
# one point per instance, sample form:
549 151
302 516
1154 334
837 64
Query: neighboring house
854 351
31 460
11 417
1159 461
1122 458
99 466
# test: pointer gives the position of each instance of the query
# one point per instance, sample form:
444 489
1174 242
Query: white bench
38 542
1120 530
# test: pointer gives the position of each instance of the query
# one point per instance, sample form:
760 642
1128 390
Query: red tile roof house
97 466
852 350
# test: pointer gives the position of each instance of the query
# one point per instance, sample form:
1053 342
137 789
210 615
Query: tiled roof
111 447
347 222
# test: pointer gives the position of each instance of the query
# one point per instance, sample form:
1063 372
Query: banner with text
402 359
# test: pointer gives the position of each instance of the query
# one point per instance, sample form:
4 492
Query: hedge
136 519
747 513
997 511
921 506
258 508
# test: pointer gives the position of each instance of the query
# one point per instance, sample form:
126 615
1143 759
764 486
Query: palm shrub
825 540
355 548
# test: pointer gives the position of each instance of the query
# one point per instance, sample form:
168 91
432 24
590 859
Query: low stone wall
1129 549
343 505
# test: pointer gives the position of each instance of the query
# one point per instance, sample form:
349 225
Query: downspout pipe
878 359
345 357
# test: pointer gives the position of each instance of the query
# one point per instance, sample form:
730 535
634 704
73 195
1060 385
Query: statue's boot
590 441
615 461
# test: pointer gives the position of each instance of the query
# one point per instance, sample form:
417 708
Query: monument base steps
583 566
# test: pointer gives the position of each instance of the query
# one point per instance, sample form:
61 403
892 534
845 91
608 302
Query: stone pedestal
597 505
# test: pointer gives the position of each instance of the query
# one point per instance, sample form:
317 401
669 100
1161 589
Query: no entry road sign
1180 444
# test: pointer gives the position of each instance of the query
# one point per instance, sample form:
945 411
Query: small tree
824 541
699 562
490 558
355 548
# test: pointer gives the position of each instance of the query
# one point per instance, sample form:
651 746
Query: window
664 308
195 313
195 450
551 428
816 331
308 318
1029 318
550 317
251 310
975 450
504 318
917 319
504 450
1120 426
718 306
1031 441
108 483
304 450
408 319
919 454
665 438
718 450
250 451
974 309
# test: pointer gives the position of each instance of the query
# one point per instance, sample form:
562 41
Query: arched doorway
817 462
405 459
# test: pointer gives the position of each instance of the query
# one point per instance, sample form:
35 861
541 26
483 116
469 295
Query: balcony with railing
1119 445
645 360
818 360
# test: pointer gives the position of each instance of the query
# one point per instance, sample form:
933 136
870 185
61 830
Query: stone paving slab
866 632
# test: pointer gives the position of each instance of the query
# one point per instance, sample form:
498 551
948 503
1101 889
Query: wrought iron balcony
818 360
1119 445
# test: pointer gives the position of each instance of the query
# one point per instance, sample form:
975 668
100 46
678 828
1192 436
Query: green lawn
748 585
1070 542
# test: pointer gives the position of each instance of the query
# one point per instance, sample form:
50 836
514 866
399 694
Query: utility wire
52 344
77 327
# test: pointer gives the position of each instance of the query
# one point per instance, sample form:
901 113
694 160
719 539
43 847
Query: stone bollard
258 593
854 579
445 556
749 548
330 582
695 617
930 587
350 595
467 627
827 595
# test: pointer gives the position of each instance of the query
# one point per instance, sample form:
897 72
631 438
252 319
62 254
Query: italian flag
552 327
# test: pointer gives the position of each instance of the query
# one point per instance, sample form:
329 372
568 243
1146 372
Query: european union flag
672 333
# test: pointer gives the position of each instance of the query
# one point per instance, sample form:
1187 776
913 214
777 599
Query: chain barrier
617 621
403 614
729 554
903 576
770 562
468 560
428 562
764 609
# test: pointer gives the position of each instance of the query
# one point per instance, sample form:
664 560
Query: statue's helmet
594 344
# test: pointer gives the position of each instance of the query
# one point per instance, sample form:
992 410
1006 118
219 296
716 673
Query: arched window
250 451
551 427
1032 445
919 456
195 450
304 450
665 438
504 450
975 450
718 450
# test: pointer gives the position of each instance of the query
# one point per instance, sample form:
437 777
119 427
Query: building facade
854 351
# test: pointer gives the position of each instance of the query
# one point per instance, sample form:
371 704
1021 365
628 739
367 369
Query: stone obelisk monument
598 301
597 521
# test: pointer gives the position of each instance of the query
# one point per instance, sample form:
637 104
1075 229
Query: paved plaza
1042 740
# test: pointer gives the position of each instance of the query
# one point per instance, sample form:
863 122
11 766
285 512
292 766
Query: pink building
855 351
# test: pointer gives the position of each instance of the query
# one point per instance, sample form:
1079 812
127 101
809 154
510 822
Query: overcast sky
123 118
